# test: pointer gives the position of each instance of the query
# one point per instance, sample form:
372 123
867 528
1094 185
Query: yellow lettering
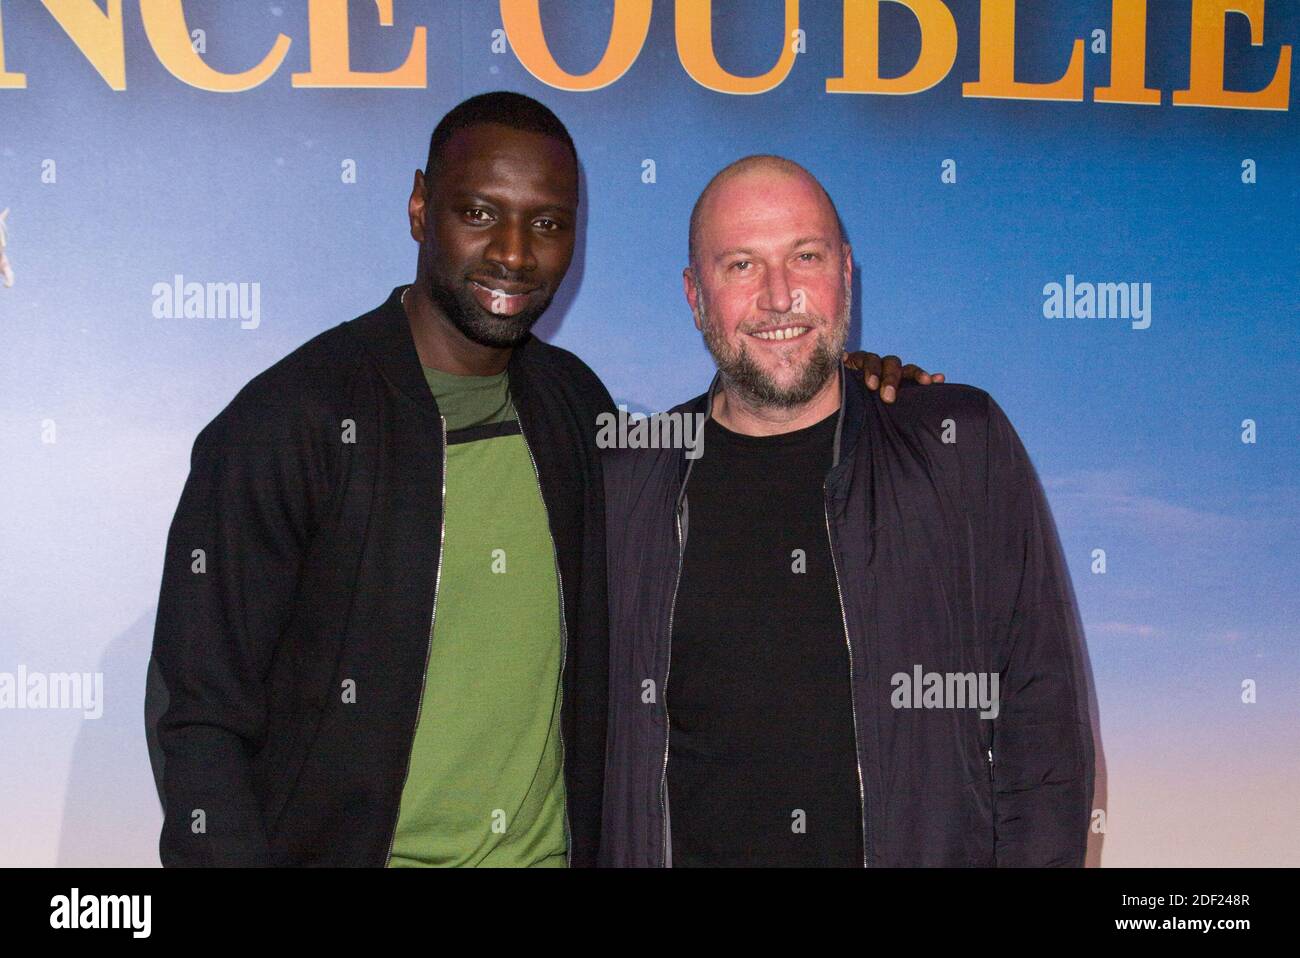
169 35
862 48
522 20
97 34
695 49
1128 56
9 81
331 65
998 62
1205 84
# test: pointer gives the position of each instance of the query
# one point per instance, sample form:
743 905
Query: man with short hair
381 636
382 620
773 601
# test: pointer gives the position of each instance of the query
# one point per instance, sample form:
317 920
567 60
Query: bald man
844 635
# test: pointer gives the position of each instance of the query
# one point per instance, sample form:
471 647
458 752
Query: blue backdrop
1136 432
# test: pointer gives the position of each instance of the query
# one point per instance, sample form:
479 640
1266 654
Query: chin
496 337
785 377
491 329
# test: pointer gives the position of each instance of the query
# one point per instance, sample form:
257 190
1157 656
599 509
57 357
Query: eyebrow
549 205
802 241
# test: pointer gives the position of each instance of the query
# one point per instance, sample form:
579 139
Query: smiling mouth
781 333
501 301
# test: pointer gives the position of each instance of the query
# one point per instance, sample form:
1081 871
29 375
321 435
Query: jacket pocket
979 802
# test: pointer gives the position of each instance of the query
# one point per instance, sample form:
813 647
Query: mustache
504 276
813 320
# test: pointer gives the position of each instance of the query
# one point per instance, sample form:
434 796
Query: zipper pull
990 764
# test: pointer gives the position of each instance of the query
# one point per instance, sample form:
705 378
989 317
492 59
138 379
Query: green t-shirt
486 784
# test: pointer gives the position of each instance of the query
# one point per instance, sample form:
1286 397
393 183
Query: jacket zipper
857 759
428 651
663 692
564 642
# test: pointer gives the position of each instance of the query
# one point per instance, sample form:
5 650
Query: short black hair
514 110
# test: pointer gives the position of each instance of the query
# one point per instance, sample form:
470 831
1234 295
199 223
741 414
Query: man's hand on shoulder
885 374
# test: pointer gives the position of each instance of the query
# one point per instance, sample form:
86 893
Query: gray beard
742 376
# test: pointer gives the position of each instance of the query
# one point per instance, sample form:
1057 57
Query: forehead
510 163
765 208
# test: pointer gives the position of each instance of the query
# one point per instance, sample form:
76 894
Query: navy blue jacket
946 558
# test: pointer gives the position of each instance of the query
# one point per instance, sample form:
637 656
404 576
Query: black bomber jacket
301 564
947 563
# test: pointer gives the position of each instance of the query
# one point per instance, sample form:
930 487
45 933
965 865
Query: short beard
477 324
752 384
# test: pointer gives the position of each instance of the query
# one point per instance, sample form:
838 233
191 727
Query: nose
776 292
511 247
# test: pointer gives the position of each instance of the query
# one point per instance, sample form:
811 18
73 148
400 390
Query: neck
441 345
740 415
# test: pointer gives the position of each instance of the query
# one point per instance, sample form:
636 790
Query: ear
848 265
688 287
415 208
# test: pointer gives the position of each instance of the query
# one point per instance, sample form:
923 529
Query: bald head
770 286
756 168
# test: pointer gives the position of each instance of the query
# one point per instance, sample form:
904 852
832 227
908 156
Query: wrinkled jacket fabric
946 558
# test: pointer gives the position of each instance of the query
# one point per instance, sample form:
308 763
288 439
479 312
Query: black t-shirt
762 768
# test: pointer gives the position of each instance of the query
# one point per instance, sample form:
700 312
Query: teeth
497 292
790 332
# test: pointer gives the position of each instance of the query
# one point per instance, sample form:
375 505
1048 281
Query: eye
740 266
476 214
808 257
548 225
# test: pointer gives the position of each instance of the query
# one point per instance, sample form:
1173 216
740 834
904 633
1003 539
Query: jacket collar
386 333
853 409
848 427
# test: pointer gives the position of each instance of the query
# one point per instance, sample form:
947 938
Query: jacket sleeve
1042 736
229 575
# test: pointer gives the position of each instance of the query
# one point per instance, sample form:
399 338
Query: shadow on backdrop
111 813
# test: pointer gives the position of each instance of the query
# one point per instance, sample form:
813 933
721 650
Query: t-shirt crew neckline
469 401
810 435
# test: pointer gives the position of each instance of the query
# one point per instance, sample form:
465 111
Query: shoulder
308 386
959 417
955 432
918 405
632 466
953 405
566 369
324 363
962 438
